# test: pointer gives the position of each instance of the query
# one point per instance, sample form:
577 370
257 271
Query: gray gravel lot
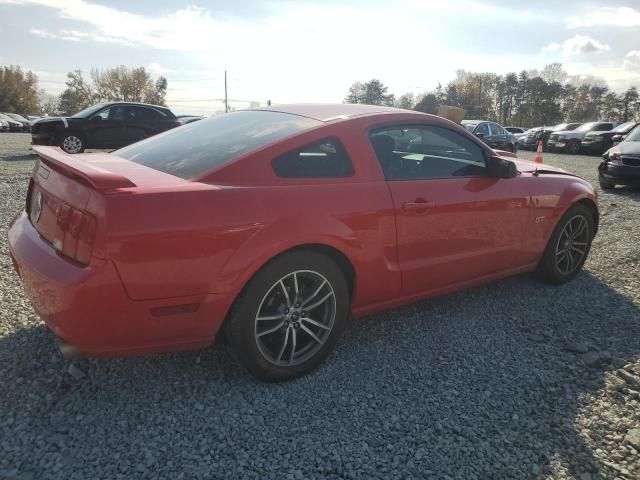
511 380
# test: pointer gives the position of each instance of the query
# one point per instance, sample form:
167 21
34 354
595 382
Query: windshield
4 117
87 112
17 117
634 135
193 149
623 127
586 127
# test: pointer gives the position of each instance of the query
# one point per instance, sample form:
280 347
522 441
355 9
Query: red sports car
273 226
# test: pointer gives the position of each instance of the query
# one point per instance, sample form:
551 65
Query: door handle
419 204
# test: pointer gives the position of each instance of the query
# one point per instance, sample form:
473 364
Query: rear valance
99 179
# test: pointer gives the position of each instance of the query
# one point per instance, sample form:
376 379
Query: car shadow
19 158
484 383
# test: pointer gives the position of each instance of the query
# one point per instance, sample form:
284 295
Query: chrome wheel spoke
295 284
575 249
294 338
284 344
313 322
271 330
311 334
319 302
286 294
270 317
304 303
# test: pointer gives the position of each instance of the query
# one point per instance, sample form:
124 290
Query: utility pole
226 103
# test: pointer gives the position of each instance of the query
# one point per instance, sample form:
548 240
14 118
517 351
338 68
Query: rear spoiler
98 178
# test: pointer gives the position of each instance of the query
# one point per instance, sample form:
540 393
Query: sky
312 51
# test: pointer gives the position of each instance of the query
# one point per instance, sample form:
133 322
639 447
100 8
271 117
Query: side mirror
96 118
501 168
617 138
479 134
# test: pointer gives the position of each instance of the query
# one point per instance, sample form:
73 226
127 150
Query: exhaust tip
68 351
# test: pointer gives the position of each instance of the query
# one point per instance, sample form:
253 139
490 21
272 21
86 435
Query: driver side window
112 113
426 152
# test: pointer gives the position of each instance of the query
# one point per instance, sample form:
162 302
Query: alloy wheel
72 144
295 318
572 244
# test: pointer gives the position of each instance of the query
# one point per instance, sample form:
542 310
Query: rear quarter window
192 150
324 159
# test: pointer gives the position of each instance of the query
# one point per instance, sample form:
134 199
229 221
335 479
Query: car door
105 129
500 137
455 223
136 125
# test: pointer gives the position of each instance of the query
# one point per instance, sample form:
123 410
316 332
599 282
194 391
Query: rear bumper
88 309
619 174
41 138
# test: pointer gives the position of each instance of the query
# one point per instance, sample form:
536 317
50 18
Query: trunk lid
66 201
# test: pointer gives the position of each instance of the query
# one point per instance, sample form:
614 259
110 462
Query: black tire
241 326
549 269
71 142
573 147
604 185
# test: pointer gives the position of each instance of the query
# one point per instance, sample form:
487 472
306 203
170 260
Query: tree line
530 98
19 91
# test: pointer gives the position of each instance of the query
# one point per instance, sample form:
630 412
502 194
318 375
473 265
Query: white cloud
577 45
618 17
632 60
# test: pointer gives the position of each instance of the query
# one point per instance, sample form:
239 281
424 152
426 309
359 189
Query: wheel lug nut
286 310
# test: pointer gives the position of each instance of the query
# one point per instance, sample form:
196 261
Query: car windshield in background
623 127
470 126
634 135
193 149
87 112
586 127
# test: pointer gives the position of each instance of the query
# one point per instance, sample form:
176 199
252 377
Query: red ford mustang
273 226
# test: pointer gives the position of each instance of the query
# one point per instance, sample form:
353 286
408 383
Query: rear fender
269 242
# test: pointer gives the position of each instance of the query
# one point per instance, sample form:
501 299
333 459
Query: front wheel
606 185
289 317
568 246
71 143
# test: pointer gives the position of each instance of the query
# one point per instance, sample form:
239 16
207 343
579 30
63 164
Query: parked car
621 165
600 142
14 125
529 141
185 119
570 141
4 126
492 134
271 227
106 125
516 131
26 124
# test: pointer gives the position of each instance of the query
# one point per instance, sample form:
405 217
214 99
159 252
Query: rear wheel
71 142
568 246
573 147
289 317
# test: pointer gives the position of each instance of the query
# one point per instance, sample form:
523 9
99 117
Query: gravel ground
511 380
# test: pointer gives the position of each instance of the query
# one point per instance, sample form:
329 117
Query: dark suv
492 134
106 125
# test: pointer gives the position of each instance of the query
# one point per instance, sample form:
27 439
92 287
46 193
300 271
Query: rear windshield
193 149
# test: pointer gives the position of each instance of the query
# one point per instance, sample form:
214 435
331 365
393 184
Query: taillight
78 231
